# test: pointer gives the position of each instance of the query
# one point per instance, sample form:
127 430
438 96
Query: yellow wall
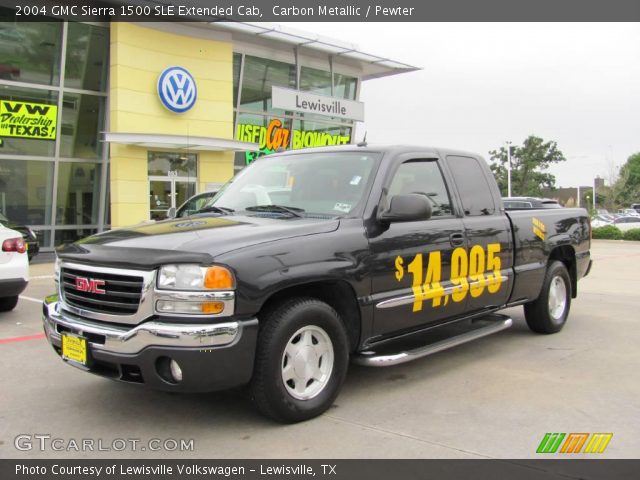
138 56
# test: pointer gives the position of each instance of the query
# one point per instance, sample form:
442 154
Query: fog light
212 307
189 307
176 371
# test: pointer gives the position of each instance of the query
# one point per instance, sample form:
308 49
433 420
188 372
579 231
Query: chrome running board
490 324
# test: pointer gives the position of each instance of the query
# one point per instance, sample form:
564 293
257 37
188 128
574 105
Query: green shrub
633 234
608 232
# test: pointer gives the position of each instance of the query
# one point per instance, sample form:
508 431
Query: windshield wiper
214 208
296 212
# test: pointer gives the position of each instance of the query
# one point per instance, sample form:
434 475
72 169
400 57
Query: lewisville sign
306 102
28 120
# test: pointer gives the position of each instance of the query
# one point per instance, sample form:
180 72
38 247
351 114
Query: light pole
508 168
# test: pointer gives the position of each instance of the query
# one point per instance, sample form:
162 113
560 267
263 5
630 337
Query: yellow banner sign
28 120
277 136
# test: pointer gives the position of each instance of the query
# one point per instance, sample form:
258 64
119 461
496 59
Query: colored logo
573 442
177 89
90 285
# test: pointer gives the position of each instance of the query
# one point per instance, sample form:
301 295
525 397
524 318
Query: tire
301 360
549 312
8 303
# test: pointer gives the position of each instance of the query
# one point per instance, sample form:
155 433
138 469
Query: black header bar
318 469
323 10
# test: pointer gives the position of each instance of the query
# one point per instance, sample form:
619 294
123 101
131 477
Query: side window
475 191
423 177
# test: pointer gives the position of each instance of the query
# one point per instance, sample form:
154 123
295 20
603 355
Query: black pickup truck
306 260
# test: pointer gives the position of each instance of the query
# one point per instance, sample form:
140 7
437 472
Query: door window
423 177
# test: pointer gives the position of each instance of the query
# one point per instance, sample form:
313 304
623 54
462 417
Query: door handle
456 239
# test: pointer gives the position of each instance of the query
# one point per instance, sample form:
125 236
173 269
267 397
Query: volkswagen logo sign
177 89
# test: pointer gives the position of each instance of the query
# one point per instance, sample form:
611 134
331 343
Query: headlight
194 277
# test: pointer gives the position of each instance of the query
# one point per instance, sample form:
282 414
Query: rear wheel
549 312
8 303
301 360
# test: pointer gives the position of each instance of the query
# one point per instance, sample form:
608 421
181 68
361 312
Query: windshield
329 184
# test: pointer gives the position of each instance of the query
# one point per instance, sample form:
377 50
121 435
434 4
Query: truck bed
536 233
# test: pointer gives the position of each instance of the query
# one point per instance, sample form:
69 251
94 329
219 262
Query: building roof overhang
179 142
373 66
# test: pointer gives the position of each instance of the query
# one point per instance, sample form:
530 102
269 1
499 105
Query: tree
528 165
626 190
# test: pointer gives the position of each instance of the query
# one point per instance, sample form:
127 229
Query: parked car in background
192 205
28 235
14 268
523 203
601 221
627 223
630 212
636 207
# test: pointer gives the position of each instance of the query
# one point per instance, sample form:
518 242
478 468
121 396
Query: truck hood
188 240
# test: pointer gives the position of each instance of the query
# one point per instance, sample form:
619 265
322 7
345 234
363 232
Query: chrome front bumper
132 340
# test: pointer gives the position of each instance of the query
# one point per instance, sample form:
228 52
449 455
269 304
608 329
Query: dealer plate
74 348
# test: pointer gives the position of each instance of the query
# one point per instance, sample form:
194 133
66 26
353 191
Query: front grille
122 292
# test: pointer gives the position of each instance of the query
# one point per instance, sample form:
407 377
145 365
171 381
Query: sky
483 84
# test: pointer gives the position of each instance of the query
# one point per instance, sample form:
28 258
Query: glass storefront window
260 74
172 164
82 122
314 80
86 64
29 51
78 193
308 134
107 198
39 106
344 86
71 235
271 133
237 61
44 238
26 191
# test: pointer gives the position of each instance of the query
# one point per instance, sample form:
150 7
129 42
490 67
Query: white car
601 221
627 223
14 268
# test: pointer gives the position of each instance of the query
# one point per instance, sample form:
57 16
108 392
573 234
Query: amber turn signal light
218 278
212 308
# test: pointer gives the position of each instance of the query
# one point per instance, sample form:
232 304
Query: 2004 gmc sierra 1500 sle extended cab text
305 260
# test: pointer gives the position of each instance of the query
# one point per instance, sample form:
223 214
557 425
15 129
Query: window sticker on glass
355 180
342 207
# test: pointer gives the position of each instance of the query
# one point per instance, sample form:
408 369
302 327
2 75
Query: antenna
363 143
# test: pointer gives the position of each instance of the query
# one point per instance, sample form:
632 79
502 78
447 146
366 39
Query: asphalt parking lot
492 398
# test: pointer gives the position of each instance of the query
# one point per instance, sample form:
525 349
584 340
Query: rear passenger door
488 259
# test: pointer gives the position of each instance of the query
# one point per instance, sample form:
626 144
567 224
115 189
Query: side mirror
171 213
407 208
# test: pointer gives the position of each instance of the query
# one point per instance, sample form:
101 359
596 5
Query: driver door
411 261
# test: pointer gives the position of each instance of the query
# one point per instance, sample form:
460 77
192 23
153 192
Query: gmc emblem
90 285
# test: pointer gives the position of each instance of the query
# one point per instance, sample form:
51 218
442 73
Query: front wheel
301 360
549 312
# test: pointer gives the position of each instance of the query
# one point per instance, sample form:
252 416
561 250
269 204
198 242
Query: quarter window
475 191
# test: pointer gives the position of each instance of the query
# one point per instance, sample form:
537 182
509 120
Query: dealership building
106 125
